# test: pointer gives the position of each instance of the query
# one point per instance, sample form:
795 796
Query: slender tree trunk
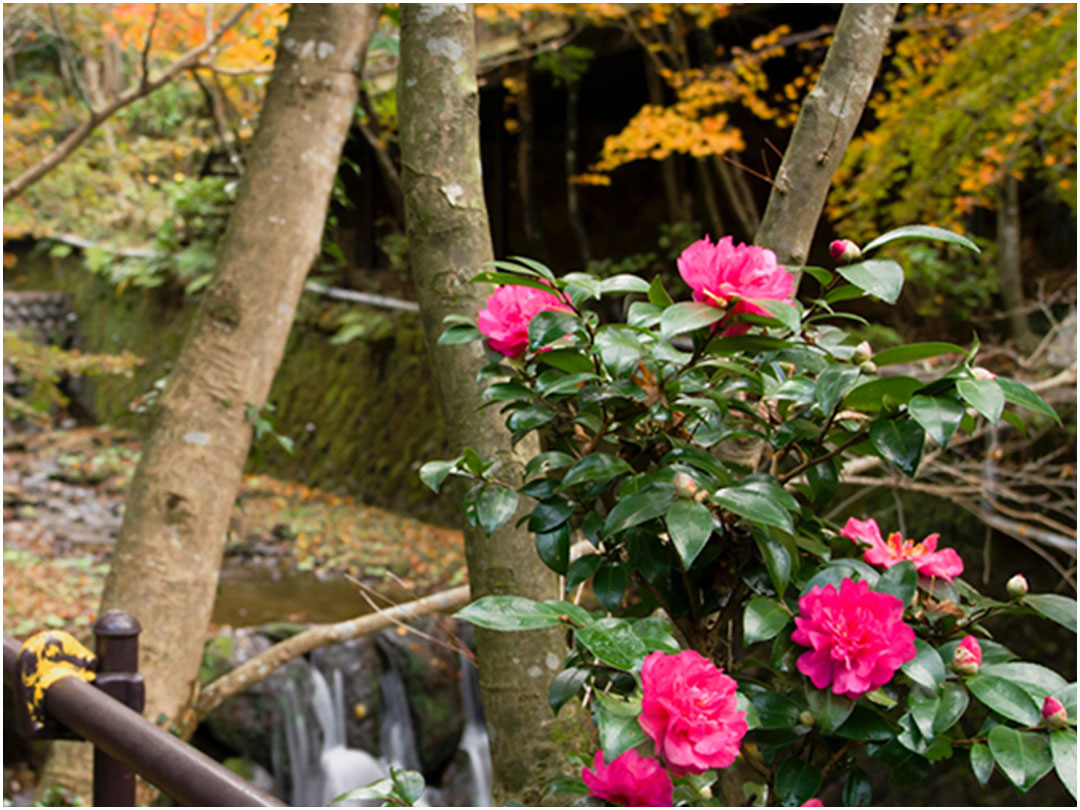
166 562
1008 265
449 240
676 209
526 138
573 208
827 120
708 193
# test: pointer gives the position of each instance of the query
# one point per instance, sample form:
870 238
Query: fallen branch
256 669
132 94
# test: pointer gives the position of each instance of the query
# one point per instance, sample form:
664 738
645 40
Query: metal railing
126 743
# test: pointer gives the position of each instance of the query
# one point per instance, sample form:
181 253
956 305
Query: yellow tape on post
44 659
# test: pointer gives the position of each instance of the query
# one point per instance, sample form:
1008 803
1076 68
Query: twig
65 52
145 60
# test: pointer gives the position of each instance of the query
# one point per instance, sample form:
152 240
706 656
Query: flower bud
813 803
806 717
1017 586
968 656
685 486
868 367
844 251
1054 714
980 373
862 352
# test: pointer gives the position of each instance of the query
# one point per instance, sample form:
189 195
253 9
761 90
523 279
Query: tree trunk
675 203
573 208
827 120
166 562
447 225
1008 265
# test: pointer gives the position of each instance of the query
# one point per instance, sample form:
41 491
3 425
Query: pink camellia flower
813 803
844 251
505 318
857 638
688 708
968 656
929 562
630 780
1054 714
725 271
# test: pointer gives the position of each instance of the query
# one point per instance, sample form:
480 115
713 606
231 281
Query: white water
474 739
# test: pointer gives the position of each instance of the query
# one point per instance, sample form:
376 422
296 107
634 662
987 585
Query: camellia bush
748 649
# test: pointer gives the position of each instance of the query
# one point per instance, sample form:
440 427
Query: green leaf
658 296
433 473
883 278
581 569
832 384
982 763
1023 756
866 724
954 701
763 618
775 711
796 781
596 467
581 287
656 634
508 613
624 283
1056 608
459 333
926 668
548 326
689 526
781 311
1005 698
754 506
617 721
546 462
857 789
868 396
1063 750
938 416
554 548
619 349
777 559
502 391
922 708
913 352
819 274
985 396
1019 394
1037 681
898 441
609 585
637 509
565 686
511 279
569 360
830 711
899 580
530 417
922 232
614 643
686 317
495 506
550 515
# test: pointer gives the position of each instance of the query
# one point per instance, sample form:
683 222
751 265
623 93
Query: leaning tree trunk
1008 265
166 562
449 240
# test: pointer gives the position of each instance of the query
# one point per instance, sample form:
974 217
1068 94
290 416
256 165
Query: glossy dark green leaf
609 584
1036 680
830 711
571 361
550 515
503 391
1023 756
619 349
658 296
433 473
655 633
754 506
511 280
915 351
763 618
882 278
625 283
898 441
824 481
819 274
1019 394
614 643
796 781
775 711
581 569
508 613
832 384
954 701
546 462
868 396
1063 751
982 763
617 721
926 668
938 416
554 548
922 708
866 724
495 506
582 286
857 789
548 326
777 559
985 396
689 526
900 580
566 686
458 334
636 509
686 317
1056 608
597 468
922 232
529 417
781 311
1005 698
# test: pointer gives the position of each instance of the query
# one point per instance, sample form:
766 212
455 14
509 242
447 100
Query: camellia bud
844 251
813 803
685 486
862 352
1054 714
968 656
1017 586
868 367
980 373
806 717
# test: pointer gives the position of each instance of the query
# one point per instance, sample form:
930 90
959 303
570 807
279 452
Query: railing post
117 638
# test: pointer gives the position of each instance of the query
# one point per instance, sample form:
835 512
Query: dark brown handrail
181 771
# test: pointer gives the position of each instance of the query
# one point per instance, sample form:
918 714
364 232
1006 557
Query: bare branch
132 94
65 52
145 60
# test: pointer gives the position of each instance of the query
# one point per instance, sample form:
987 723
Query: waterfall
474 739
